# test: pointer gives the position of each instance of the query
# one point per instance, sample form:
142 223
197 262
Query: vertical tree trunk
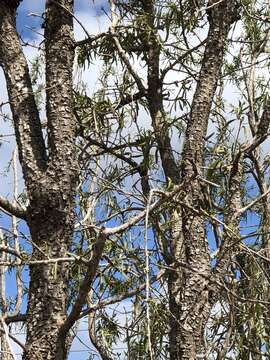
191 287
188 288
51 233
51 207
51 176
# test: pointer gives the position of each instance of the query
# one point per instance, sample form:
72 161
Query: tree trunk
51 214
51 232
50 176
189 286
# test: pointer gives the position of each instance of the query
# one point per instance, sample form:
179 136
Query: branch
85 285
59 52
97 341
12 209
117 298
262 130
26 119
10 250
254 202
155 98
180 59
7 339
10 318
74 17
19 281
73 258
90 39
134 220
14 339
121 51
112 151
129 99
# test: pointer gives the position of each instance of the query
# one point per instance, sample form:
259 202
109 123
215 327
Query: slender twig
10 250
134 220
90 39
254 202
117 298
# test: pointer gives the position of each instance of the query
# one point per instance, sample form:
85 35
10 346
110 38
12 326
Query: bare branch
117 298
85 285
7 339
11 318
10 251
134 220
18 342
90 39
254 202
12 209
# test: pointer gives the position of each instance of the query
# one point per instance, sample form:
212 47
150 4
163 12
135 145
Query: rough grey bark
232 218
5 351
25 115
50 178
191 293
51 214
188 289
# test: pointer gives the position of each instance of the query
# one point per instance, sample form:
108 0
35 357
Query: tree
149 208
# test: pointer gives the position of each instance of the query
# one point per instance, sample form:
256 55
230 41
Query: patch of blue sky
29 18
31 15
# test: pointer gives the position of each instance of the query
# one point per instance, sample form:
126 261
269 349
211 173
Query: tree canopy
144 205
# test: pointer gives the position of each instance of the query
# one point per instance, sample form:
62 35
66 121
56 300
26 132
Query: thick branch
220 17
155 98
24 110
85 286
59 48
194 316
12 209
9 319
